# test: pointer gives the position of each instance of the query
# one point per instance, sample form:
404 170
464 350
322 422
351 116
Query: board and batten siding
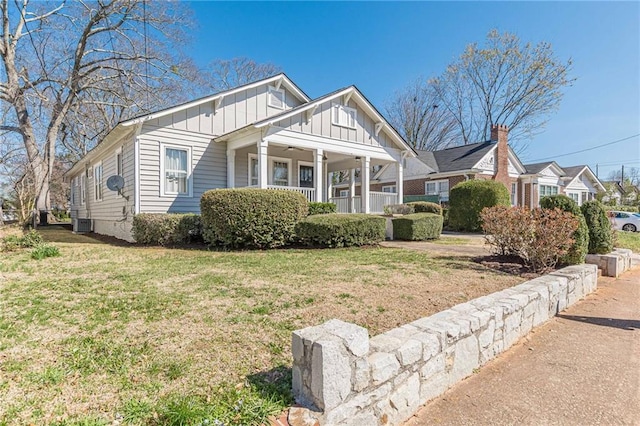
321 124
208 167
236 111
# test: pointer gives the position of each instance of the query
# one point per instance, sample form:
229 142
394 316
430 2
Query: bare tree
59 58
504 82
227 73
414 111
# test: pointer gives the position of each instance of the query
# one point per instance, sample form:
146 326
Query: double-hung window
546 190
280 173
343 116
439 188
176 171
97 182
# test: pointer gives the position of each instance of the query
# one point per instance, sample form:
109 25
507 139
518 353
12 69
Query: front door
306 176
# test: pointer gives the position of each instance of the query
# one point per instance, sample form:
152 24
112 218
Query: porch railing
377 201
309 193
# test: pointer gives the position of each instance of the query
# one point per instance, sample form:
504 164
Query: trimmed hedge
417 227
167 229
341 230
578 251
390 209
251 218
600 233
321 208
467 199
426 207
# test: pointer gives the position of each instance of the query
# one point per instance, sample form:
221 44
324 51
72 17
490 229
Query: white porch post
263 174
365 171
329 186
231 168
319 153
400 180
352 190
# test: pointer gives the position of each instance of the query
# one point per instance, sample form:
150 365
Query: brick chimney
500 133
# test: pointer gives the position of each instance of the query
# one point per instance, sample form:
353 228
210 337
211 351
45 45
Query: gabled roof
460 157
282 77
573 171
535 168
346 91
123 127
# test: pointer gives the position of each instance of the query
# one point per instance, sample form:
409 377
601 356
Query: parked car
625 221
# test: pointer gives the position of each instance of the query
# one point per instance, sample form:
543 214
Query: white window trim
97 186
163 193
547 186
438 191
280 160
335 120
344 193
307 164
74 184
252 157
514 194
272 89
117 153
83 189
270 161
390 186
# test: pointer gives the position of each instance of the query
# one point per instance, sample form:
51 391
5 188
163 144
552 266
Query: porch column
400 180
263 174
365 171
319 153
231 168
352 190
329 186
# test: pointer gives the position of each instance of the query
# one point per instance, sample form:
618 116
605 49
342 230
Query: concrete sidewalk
580 368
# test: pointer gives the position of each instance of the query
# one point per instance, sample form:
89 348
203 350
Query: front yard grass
628 240
150 336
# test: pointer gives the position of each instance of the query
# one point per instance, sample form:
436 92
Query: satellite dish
115 183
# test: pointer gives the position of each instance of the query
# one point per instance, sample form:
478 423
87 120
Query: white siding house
266 134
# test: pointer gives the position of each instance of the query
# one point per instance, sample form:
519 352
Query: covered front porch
287 162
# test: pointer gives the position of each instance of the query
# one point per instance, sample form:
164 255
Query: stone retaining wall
343 377
612 264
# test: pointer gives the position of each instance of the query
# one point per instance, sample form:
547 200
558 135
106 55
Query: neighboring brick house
435 172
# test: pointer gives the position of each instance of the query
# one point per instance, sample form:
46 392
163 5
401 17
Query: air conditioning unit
83 225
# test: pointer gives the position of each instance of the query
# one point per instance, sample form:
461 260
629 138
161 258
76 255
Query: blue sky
382 46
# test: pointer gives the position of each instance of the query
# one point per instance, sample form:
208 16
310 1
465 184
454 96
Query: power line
588 149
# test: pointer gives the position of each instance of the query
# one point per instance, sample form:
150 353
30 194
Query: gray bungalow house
266 134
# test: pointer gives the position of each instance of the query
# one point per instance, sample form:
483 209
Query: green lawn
151 336
629 240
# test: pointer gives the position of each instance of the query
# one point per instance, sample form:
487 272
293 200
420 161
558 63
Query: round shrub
341 230
578 251
251 218
426 207
600 233
467 199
